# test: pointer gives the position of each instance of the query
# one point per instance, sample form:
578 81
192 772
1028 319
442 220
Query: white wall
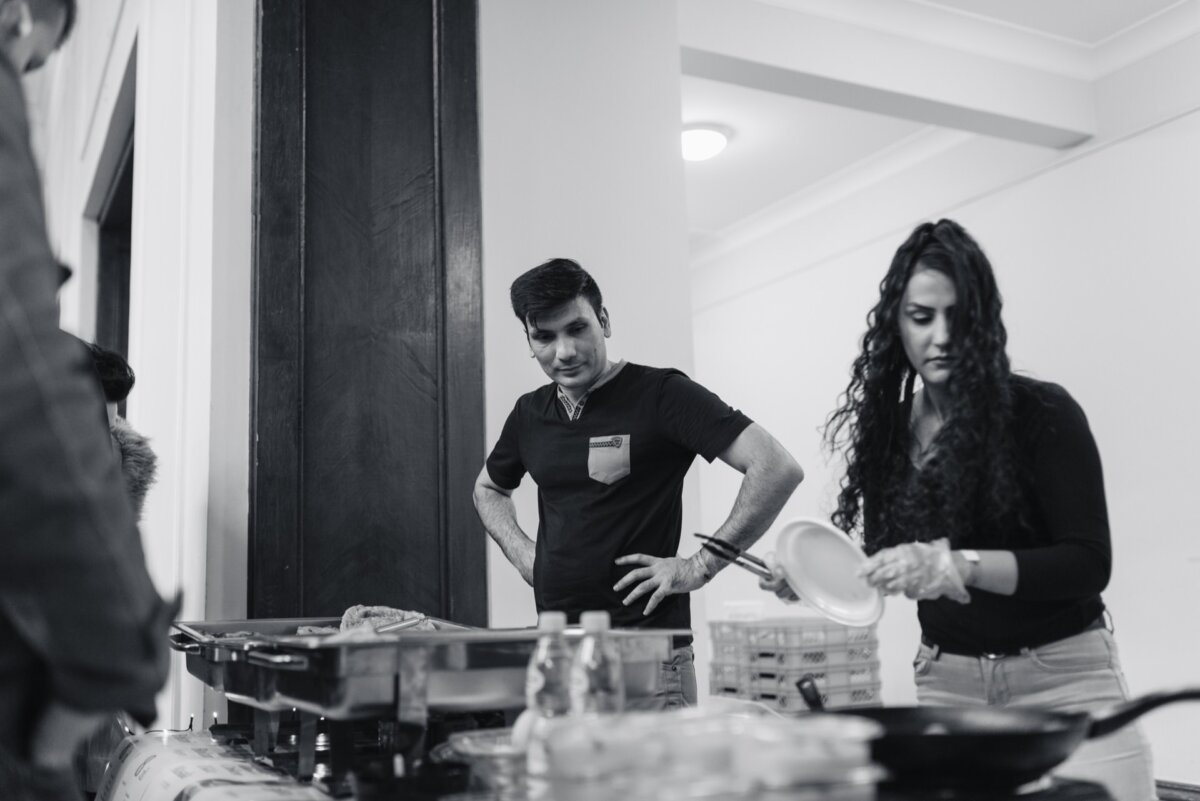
579 121
189 278
1096 253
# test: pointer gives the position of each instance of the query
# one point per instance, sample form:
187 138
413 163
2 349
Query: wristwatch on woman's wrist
971 558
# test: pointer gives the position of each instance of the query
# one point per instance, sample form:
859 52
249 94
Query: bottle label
535 680
578 688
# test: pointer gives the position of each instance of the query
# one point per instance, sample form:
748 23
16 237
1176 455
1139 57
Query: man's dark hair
550 286
115 374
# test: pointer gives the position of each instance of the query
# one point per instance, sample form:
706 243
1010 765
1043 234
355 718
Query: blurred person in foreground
980 494
139 465
609 444
82 629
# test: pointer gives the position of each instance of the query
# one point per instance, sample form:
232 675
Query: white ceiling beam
806 55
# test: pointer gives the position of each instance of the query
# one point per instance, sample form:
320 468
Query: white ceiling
783 145
1089 22
780 144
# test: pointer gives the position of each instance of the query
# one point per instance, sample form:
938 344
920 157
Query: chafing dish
398 676
217 653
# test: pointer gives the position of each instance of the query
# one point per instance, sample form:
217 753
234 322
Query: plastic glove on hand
778 585
921 570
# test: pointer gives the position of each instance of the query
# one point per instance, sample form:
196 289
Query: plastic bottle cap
552 621
595 621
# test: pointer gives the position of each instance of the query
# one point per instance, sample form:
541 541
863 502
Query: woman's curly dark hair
965 491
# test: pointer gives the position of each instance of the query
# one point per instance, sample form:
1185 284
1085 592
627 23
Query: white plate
820 563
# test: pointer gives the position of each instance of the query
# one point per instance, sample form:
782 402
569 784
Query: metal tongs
399 625
731 553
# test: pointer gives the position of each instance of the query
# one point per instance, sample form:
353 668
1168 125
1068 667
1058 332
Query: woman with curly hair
979 493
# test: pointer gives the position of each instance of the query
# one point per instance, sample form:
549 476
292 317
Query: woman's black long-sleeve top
1064 556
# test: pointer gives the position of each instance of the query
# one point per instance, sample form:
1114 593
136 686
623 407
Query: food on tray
359 622
376 616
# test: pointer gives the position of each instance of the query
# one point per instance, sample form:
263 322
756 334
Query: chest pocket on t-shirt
608 458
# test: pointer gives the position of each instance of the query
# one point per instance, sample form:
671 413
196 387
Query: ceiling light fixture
702 141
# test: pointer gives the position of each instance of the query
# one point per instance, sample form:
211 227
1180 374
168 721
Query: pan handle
179 643
281 661
1117 716
807 685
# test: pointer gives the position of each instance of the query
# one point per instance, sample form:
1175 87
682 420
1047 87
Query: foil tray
398 676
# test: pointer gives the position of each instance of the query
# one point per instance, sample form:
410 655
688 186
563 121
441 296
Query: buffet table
361 715
193 765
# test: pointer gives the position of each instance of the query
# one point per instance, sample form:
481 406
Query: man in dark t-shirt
608 445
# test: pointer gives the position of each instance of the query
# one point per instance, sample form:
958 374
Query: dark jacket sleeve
1068 487
73 578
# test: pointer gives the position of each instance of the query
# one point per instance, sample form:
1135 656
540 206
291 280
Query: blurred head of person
937 318
115 375
31 30
139 464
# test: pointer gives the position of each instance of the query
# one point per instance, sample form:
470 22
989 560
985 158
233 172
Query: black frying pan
985 747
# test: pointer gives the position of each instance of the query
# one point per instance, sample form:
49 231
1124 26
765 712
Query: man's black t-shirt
610 483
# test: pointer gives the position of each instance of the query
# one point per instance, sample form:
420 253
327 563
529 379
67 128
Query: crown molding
1003 41
1147 37
955 30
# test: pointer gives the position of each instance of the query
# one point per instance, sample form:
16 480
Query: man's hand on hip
660 577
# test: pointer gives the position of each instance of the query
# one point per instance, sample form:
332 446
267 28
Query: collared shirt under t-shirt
610 483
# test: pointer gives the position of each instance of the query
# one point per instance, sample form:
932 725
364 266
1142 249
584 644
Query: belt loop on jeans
937 649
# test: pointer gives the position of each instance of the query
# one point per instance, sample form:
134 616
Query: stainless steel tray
398 676
217 653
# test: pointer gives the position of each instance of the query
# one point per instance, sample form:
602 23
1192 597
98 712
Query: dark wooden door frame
280 535
114 253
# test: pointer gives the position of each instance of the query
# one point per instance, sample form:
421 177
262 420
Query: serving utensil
398 625
732 553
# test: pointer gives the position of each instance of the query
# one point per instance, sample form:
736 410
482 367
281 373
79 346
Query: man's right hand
499 517
522 557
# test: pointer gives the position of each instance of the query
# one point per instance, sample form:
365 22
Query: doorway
115 234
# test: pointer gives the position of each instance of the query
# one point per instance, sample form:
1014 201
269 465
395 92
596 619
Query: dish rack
761 660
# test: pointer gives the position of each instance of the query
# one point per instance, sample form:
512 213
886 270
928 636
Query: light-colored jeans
1075 674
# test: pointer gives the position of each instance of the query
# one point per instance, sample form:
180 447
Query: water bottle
546 686
597 683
